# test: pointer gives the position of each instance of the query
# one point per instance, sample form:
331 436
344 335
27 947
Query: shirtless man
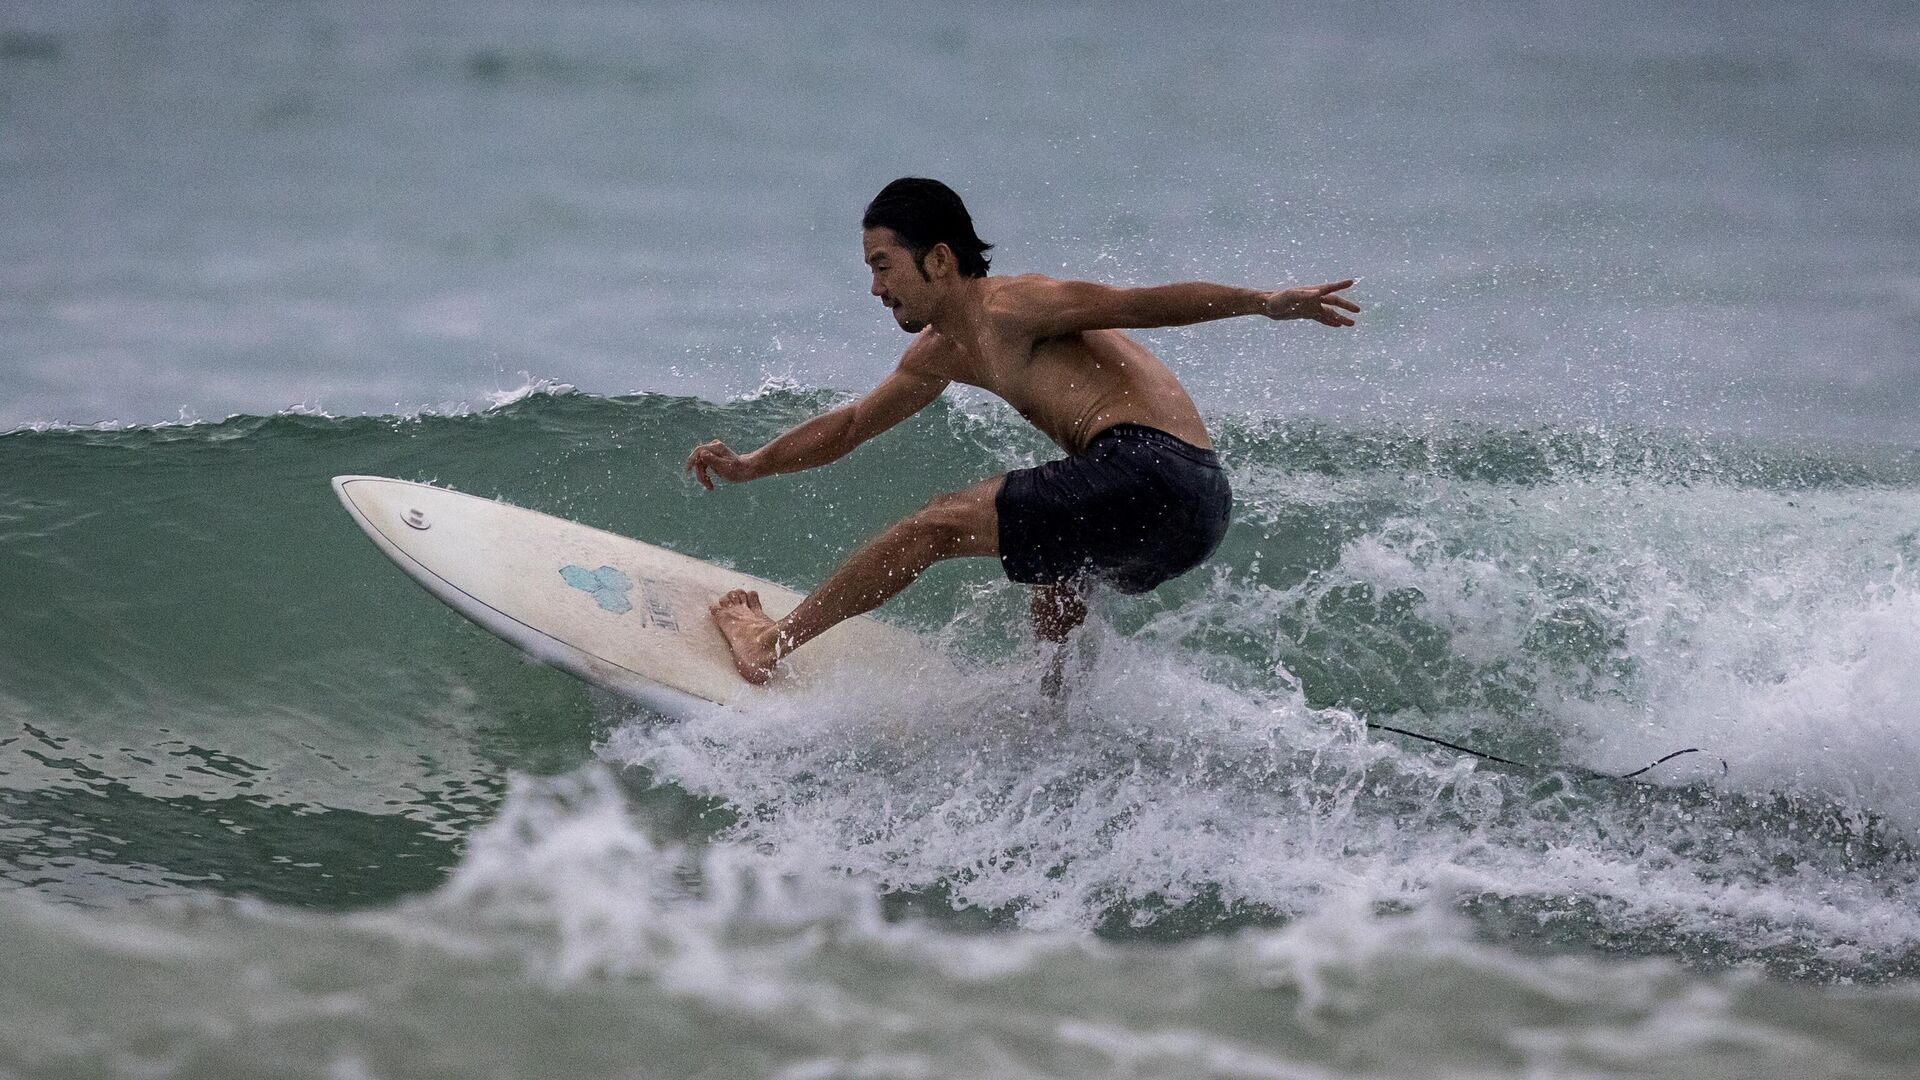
1139 499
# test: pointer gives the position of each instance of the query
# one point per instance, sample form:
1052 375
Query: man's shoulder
1012 301
1014 290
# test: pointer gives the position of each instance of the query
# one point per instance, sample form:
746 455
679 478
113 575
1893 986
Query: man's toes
753 601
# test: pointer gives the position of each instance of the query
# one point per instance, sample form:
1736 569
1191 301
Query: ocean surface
1623 459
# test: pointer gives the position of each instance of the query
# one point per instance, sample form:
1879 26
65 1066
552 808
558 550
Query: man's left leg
957 524
1056 610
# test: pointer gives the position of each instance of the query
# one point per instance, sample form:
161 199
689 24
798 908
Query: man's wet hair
922 213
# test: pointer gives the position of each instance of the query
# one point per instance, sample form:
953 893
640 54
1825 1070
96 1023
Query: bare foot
753 637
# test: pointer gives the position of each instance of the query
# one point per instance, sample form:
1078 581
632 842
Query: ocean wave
1549 597
571 941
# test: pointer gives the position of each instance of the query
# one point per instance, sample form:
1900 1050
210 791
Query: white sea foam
1622 618
530 386
1772 630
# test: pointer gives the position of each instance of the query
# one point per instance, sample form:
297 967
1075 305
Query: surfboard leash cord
1529 765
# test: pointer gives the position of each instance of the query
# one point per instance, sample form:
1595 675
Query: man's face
896 280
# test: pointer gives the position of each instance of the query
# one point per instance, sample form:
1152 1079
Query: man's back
1071 385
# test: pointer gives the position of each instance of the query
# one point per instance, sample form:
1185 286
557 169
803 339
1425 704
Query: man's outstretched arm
826 437
1046 307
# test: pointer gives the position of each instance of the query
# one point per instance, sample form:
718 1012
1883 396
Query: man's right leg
954 525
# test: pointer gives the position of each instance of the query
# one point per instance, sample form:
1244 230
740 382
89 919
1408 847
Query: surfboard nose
340 483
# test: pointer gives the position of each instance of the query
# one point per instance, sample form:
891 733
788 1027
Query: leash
1528 765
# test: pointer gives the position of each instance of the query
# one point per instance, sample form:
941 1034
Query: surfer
1140 497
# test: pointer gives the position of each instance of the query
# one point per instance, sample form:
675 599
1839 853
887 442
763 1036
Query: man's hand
718 459
1321 303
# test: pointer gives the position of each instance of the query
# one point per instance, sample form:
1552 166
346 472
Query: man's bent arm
1046 307
831 435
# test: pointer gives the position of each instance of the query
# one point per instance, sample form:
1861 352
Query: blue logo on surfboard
608 586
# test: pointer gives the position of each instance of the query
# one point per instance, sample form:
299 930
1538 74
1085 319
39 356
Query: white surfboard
616 612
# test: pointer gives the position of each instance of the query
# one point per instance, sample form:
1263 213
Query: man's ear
941 260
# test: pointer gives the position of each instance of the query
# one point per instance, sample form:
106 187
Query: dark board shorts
1135 508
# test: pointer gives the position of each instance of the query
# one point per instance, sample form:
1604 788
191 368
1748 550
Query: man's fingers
701 460
1340 301
1334 286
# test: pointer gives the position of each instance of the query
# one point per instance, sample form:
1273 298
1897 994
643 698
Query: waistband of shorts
1143 433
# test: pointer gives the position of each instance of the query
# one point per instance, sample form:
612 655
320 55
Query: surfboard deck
619 613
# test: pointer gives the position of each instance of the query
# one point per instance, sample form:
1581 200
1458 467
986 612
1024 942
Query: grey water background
1622 459
1676 214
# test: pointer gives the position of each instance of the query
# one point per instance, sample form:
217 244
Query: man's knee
951 524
